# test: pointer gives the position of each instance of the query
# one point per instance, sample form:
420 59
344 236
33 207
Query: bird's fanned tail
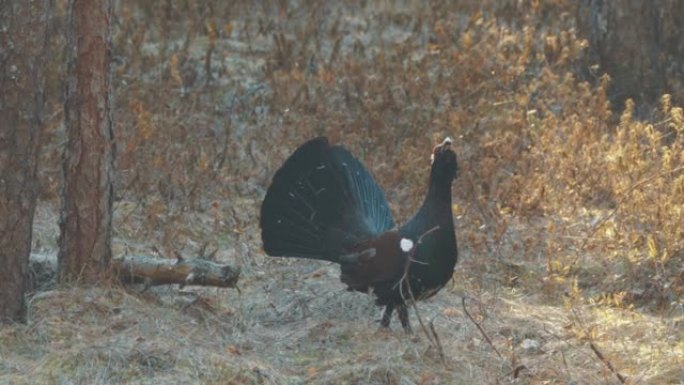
321 202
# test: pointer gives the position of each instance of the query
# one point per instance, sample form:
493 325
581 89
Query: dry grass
568 213
295 324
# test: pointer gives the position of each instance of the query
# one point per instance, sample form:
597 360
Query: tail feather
368 197
321 201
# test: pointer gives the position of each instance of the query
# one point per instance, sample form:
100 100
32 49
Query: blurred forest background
569 203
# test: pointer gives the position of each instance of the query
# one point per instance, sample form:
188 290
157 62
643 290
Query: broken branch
164 271
150 270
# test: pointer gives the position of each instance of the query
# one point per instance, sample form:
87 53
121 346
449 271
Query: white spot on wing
406 244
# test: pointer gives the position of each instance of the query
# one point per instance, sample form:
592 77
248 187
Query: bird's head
444 165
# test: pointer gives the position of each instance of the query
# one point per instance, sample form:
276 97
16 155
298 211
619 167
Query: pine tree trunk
86 216
23 38
639 44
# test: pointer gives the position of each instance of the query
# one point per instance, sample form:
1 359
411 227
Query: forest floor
541 294
292 322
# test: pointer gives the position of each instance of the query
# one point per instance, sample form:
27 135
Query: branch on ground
151 271
163 271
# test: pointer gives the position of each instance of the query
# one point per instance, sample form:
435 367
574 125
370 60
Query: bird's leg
387 316
402 311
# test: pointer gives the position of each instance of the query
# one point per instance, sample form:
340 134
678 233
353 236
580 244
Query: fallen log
148 270
163 271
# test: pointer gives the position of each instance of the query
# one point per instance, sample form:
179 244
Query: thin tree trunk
86 216
23 38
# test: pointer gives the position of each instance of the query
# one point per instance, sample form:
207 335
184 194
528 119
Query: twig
595 349
601 357
440 349
432 334
480 328
420 319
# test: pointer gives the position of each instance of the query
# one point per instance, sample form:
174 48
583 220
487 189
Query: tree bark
86 215
23 38
639 44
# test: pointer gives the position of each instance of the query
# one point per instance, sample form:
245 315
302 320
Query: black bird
323 204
